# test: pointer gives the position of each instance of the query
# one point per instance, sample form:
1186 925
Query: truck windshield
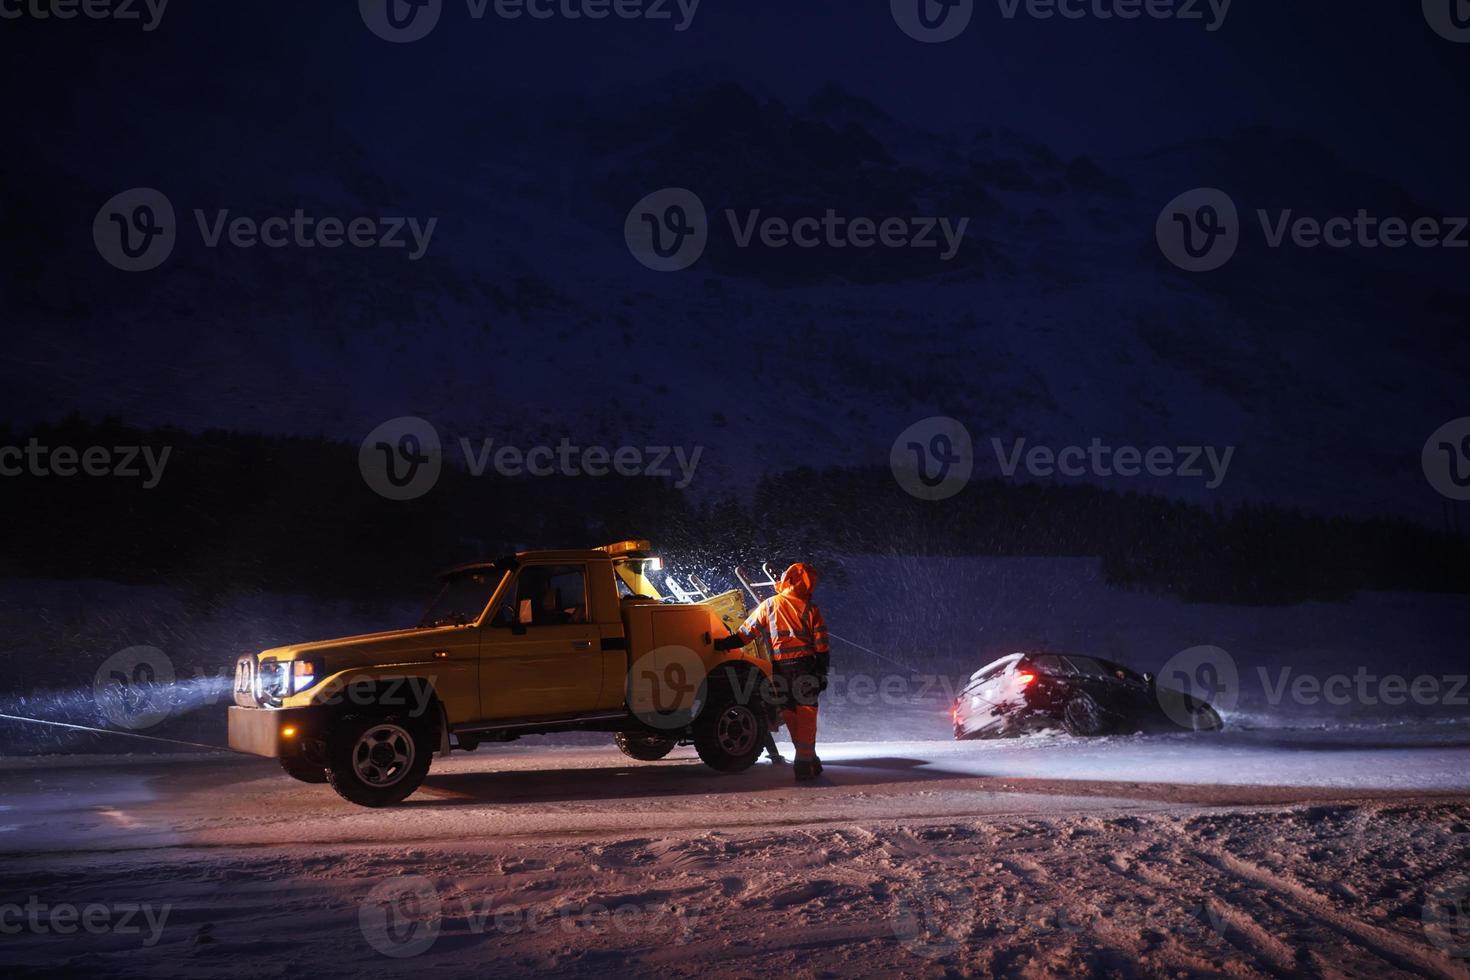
462 599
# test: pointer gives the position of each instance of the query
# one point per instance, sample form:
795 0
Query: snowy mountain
528 320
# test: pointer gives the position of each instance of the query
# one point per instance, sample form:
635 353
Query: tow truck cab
533 643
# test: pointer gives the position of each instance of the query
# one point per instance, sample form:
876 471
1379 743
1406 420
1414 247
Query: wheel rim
383 755
736 731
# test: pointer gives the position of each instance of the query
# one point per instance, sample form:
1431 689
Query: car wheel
644 748
1082 717
377 761
1207 719
298 768
729 735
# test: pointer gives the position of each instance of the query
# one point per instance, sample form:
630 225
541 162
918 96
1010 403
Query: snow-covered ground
1240 854
1309 838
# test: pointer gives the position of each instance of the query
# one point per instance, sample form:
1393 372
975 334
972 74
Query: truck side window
556 594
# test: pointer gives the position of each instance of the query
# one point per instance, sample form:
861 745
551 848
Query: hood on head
799 580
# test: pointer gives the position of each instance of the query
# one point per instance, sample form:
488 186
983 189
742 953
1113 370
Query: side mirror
525 613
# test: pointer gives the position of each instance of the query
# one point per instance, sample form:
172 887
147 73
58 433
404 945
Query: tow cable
852 643
112 731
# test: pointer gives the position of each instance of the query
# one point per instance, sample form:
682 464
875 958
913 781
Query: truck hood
348 647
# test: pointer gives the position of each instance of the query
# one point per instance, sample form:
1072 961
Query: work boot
816 767
777 759
806 769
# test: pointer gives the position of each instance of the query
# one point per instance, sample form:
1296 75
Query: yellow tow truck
532 643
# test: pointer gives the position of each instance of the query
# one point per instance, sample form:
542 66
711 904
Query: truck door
541 654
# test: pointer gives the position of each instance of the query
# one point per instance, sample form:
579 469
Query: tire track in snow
1271 956
1401 952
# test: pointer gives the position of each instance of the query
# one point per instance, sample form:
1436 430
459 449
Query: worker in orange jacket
793 627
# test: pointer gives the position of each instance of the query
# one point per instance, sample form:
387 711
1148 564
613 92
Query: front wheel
644 748
298 768
729 735
377 761
1207 719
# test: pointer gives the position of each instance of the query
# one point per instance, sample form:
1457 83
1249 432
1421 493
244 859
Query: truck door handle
581 644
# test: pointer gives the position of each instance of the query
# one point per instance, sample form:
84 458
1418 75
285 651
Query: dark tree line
237 512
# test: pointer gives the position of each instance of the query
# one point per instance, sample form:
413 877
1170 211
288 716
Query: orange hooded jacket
789 620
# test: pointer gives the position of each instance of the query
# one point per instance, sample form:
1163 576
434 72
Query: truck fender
406 693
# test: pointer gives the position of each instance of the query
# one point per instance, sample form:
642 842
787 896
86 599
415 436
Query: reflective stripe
784 655
791 627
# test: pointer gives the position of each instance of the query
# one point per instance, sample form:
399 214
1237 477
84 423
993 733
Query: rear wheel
377 761
298 768
728 735
1082 717
644 748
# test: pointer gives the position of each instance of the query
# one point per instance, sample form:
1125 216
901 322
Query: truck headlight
270 682
277 679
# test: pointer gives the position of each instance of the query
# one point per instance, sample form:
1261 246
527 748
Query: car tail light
1024 678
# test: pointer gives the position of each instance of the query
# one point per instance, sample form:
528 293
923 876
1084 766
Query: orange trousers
801 725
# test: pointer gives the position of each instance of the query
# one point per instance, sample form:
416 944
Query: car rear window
992 673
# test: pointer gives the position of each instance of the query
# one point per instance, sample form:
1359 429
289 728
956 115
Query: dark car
1081 695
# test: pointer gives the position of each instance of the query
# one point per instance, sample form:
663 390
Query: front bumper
272 732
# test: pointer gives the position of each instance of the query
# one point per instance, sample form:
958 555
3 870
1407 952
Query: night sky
526 319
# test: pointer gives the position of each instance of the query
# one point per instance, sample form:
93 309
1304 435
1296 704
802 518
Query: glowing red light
1023 678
